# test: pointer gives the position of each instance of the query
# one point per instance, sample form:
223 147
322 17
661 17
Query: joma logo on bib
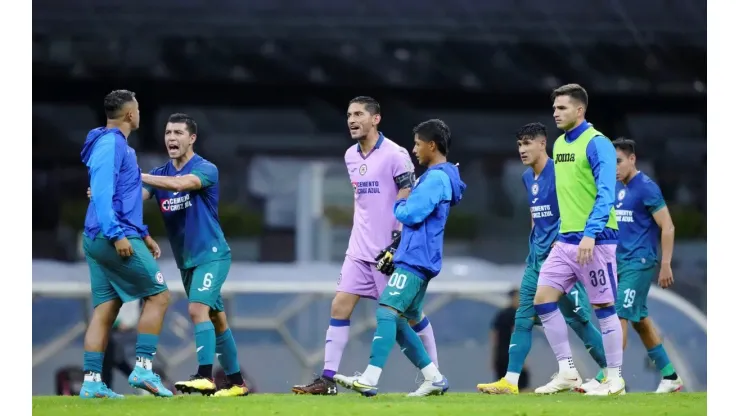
565 157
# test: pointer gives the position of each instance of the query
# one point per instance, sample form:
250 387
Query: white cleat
670 386
355 383
587 386
346 381
609 387
431 388
565 381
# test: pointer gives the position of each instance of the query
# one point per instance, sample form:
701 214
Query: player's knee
342 305
105 313
219 321
161 299
386 313
546 294
523 324
642 326
199 312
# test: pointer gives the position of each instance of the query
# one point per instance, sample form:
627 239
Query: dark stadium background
269 81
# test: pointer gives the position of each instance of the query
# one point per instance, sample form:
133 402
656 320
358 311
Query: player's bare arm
183 183
145 195
667 236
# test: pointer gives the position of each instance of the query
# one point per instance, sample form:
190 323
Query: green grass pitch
455 404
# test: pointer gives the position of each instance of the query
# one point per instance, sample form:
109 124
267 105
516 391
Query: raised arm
603 160
104 164
423 199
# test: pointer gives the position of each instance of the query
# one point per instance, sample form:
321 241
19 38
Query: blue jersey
424 215
639 234
115 210
191 218
543 206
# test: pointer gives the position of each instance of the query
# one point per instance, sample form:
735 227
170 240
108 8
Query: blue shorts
203 283
114 277
632 290
405 293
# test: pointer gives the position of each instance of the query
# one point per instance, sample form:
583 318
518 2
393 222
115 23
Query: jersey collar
571 136
377 144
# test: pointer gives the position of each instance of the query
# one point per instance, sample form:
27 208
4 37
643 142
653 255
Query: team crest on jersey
535 189
621 194
363 169
160 277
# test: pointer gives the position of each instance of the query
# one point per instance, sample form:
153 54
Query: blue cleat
147 380
97 390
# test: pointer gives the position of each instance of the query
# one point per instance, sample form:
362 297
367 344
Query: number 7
575 297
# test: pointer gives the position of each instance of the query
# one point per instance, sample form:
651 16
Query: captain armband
405 180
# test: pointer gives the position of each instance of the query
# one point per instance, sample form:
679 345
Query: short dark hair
435 130
574 91
625 145
371 105
189 122
114 102
531 130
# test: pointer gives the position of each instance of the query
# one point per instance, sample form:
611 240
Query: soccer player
423 212
377 168
186 190
539 180
585 178
118 249
644 222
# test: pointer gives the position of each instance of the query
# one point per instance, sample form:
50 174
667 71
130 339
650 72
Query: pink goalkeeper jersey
375 189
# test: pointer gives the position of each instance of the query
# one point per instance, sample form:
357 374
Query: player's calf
648 333
96 340
337 337
150 326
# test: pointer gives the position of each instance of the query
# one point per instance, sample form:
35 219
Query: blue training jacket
423 216
116 207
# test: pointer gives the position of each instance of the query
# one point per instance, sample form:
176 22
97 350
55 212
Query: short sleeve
401 162
652 197
207 173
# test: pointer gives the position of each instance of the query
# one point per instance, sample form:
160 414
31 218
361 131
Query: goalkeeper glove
385 258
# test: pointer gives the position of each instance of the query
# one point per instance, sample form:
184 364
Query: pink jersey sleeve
401 162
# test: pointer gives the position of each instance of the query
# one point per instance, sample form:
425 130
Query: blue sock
385 335
205 347
411 344
226 348
92 362
591 338
658 355
520 344
146 347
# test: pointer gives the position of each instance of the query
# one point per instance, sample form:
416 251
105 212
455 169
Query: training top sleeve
105 163
603 160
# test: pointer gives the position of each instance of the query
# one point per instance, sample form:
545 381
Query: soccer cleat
197 384
670 386
609 387
233 391
321 386
97 390
564 381
431 388
498 387
587 386
149 381
354 383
